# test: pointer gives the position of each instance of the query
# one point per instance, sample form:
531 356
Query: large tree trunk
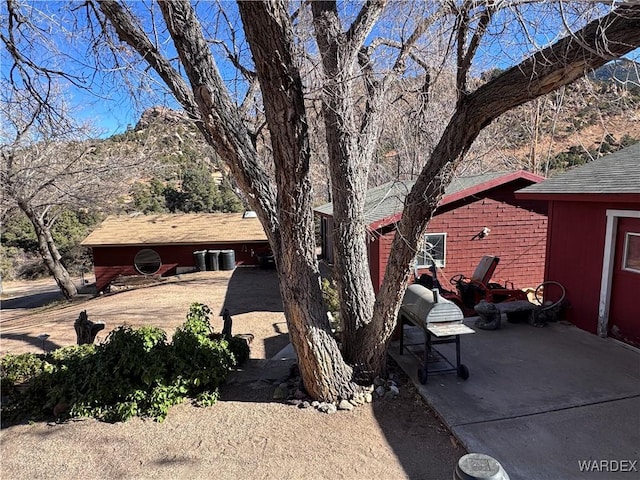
325 374
49 252
350 154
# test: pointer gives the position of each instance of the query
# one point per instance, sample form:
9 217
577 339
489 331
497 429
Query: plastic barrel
227 259
212 260
199 260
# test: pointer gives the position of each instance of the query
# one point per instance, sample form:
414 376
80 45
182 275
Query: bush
201 361
135 372
330 295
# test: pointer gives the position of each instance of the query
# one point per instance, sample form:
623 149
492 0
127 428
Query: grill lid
428 306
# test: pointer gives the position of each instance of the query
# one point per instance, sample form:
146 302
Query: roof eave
580 197
173 244
467 192
490 184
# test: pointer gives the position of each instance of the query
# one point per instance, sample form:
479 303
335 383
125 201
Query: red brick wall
109 262
518 237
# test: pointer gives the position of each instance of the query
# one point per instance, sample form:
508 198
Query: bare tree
356 72
50 165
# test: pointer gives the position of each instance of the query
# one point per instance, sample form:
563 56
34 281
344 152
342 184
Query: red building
165 244
515 229
593 245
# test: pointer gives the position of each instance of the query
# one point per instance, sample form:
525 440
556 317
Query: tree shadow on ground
423 444
46 346
30 301
252 290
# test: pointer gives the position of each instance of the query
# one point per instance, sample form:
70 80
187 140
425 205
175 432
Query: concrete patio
545 402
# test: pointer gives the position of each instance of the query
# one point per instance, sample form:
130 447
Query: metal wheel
555 292
463 372
422 375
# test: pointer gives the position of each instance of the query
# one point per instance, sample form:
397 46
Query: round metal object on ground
463 372
477 466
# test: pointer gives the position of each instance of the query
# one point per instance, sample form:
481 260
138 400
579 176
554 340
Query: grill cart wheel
463 371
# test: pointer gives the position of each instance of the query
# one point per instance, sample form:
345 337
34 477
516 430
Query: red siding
575 253
109 262
518 236
373 254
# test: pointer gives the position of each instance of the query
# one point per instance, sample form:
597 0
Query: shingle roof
388 199
184 229
615 173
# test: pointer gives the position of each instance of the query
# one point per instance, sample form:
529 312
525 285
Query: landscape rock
327 408
395 390
345 405
280 393
304 404
368 397
380 391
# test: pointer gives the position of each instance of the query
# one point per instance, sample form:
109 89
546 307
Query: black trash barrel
212 260
199 260
227 259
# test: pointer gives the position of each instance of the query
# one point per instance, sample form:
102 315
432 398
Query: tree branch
130 33
611 36
363 24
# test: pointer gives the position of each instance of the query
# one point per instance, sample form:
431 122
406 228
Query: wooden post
86 330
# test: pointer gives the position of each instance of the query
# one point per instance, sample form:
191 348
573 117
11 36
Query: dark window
147 261
631 261
433 249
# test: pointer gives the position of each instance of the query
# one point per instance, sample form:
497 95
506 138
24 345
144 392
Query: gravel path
247 435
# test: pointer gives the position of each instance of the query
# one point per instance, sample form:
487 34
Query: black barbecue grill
441 321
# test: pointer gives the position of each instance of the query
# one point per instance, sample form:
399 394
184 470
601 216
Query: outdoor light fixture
481 234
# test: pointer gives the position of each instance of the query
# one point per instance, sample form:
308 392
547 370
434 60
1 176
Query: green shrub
330 295
135 372
201 361
17 371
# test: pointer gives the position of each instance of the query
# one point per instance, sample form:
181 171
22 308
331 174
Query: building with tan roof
171 244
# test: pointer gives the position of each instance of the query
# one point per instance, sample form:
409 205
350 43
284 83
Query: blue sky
110 104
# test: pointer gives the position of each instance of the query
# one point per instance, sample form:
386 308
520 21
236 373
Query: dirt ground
247 434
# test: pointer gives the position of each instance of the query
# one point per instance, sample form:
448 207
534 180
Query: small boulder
280 393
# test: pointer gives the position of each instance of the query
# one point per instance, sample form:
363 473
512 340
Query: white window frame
628 235
607 265
440 263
